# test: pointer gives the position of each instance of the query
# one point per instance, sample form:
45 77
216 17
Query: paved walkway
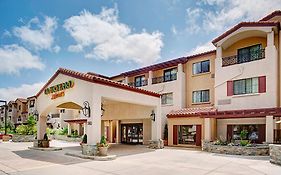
15 159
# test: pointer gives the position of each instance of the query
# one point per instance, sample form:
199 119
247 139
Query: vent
212 75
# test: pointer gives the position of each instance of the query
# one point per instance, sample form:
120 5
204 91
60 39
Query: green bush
22 130
29 129
166 132
103 142
63 131
84 140
245 142
243 134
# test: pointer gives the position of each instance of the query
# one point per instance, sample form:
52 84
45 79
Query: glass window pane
197 68
205 96
255 85
248 86
206 66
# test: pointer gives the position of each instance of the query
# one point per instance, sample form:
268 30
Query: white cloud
208 46
174 30
37 35
6 33
23 91
56 48
14 58
229 13
102 36
192 17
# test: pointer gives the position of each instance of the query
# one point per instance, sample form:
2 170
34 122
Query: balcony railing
166 78
243 58
138 83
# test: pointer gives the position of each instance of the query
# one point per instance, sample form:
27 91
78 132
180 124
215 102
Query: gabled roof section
271 15
95 79
163 65
23 100
245 24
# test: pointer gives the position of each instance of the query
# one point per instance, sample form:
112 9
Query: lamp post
6 111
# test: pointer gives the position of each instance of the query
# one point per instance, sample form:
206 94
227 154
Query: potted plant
45 141
103 146
166 135
84 140
243 137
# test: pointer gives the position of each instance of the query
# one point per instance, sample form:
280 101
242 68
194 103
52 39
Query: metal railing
243 58
138 83
166 78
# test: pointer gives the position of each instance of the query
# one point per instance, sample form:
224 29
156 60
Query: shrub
63 131
84 140
22 130
103 142
243 134
245 143
29 129
166 132
45 137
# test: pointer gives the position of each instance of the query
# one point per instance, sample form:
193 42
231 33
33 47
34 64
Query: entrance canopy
70 105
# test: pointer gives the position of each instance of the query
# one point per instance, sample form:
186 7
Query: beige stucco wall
202 81
222 124
183 121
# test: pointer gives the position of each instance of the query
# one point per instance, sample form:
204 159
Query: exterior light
152 116
102 110
36 114
86 109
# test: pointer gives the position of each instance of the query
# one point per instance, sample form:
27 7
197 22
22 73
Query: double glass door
132 133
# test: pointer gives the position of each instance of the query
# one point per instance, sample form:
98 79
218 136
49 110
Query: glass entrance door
132 133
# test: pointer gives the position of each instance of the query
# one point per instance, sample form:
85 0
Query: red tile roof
80 120
95 79
271 15
188 112
163 65
23 100
245 24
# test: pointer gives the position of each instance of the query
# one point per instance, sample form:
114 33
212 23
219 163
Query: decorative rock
89 150
159 144
23 138
259 150
275 154
98 158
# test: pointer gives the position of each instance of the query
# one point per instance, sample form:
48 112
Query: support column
156 125
150 76
94 122
111 131
68 129
102 128
207 129
270 38
41 127
269 129
117 132
181 92
126 80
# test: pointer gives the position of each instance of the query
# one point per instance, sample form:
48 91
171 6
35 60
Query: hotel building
206 96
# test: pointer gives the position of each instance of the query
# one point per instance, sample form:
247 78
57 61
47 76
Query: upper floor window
248 54
19 119
120 81
201 96
62 111
19 107
246 86
139 81
170 74
167 98
32 103
201 67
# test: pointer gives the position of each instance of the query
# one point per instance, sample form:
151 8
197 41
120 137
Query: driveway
15 158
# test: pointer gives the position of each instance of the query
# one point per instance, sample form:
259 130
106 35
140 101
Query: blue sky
107 37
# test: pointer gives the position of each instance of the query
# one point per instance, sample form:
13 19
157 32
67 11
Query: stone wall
259 150
65 138
275 153
23 138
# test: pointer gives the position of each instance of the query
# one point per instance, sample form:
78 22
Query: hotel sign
58 90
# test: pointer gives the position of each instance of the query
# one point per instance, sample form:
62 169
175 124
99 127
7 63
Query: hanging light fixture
86 109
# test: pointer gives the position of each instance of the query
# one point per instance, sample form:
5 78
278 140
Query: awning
78 120
70 105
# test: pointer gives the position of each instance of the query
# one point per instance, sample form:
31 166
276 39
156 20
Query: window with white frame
201 67
246 86
167 98
201 96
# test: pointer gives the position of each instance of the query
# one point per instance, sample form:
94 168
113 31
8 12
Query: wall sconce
102 110
152 116
36 114
86 109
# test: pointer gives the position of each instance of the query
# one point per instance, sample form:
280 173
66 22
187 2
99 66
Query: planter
6 138
41 143
165 142
89 150
103 151
275 154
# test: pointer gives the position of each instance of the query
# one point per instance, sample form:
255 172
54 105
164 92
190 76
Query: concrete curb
97 158
46 149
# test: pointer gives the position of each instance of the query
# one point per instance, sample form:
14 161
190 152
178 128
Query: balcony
138 84
243 58
166 78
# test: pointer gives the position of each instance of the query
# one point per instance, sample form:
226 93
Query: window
248 54
170 74
187 134
246 86
19 107
200 96
167 98
31 103
62 111
255 133
19 119
139 81
201 67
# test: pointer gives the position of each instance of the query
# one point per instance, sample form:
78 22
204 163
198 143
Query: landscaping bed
23 138
251 150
